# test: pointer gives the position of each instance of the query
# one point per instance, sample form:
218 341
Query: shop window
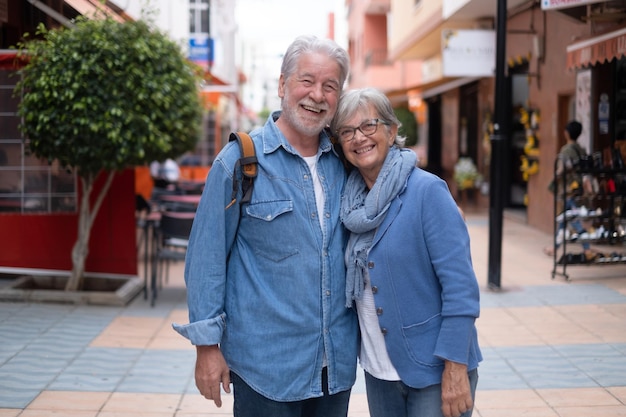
27 183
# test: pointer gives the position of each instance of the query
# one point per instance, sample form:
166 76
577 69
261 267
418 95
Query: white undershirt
373 356
311 161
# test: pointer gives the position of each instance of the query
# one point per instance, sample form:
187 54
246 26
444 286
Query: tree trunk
86 217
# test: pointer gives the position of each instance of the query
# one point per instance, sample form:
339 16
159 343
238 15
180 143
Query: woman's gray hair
353 101
311 44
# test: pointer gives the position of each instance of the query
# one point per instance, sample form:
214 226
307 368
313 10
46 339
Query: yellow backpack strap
248 163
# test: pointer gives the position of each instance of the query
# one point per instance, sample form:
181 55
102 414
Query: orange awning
94 9
597 49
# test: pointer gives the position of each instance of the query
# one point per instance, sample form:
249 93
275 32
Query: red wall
45 241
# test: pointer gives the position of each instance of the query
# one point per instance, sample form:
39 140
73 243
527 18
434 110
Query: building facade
562 63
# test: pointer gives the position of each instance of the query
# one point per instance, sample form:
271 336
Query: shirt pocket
269 210
272 229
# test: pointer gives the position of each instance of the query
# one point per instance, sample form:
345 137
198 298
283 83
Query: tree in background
101 97
409 125
264 114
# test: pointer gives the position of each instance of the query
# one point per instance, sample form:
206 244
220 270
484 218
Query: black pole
498 154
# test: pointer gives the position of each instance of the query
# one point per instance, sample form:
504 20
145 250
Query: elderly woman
409 270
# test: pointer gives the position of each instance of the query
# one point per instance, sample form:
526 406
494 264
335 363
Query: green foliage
106 95
264 114
409 125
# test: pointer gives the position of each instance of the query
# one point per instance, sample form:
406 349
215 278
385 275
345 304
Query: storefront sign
201 51
468 53
599 49
564 4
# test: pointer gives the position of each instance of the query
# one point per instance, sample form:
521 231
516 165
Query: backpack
248 163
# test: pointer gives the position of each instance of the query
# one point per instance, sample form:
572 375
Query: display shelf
600 212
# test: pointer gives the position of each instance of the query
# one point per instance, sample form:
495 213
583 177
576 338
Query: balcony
377 6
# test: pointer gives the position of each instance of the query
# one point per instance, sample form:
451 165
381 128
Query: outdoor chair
172 237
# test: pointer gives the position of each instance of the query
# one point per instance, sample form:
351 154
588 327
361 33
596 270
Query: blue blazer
424 286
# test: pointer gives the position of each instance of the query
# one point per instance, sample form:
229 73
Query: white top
317 186
373 356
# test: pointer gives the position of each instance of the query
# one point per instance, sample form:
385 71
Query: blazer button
370 264
374 290
379 311
383 331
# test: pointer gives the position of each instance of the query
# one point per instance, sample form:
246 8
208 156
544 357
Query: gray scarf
363 210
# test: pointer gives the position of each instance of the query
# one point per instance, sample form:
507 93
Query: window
27 183
199 16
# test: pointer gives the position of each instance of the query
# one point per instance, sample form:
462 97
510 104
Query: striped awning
597 49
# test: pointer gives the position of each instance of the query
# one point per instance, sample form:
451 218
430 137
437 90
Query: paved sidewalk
551 348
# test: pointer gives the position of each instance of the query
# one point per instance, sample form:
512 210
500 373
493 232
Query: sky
267 27
278 22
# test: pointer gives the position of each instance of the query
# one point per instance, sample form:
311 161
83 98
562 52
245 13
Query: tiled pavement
551 347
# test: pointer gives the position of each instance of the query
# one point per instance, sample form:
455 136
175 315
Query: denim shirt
267 282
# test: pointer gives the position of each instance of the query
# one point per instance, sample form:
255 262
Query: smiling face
309 96
368 153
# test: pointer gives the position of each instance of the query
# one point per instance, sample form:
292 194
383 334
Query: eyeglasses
368 128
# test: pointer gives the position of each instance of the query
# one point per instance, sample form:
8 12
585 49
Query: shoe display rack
600 208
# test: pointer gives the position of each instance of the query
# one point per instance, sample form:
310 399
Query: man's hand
211 370
456 396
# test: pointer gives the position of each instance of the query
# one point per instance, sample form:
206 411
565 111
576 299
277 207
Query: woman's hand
456 396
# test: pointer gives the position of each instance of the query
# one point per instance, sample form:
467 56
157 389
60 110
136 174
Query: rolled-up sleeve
210 242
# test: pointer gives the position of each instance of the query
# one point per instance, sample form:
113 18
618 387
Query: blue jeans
249 403
396 399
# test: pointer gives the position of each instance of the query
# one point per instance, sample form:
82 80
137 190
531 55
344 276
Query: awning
597 49
446 85
214 87
94 9
9 60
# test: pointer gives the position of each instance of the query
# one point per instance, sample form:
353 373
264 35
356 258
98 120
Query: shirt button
374 290
379 311
370 264
328 293
383 331
327 215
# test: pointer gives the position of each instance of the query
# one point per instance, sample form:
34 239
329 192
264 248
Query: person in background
409 270
266 279
165 174
569 156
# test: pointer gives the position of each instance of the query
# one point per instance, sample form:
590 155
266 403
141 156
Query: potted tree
101 97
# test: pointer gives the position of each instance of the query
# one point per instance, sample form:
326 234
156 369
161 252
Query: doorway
519 92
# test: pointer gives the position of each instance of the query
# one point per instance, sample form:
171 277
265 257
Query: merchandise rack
607 215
